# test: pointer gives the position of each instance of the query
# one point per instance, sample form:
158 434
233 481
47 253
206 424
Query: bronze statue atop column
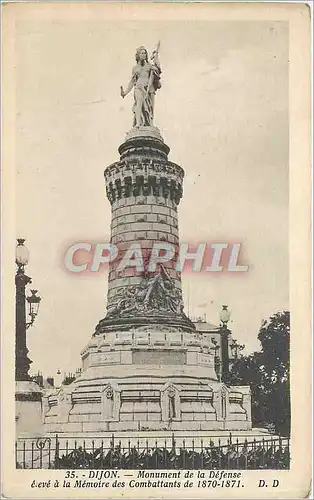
145 80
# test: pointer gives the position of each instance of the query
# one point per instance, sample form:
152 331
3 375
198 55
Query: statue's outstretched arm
129 87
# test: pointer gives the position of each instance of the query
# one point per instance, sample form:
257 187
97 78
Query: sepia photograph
151 267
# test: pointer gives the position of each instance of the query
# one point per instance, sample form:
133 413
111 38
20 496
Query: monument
147 368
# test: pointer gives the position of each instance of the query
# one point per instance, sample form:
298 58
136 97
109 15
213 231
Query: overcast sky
222 109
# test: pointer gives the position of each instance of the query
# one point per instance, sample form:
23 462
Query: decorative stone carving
170 403
109 393
156 294
150 185
125 168
64 397
110 404
61 404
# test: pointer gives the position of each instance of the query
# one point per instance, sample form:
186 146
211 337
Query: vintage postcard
156 202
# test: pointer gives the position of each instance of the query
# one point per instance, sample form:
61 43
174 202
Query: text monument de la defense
148 369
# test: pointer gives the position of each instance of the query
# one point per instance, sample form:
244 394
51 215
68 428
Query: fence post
147 450
56 464
102 453
32 454
193 454
246 454
174 453
41 455
93 451
133 455
202 454
120 453
254 454
165 455
219 453
49 453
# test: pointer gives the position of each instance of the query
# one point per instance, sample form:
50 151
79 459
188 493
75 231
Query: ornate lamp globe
21 253
224 315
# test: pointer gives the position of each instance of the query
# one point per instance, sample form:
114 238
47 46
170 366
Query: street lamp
224 332
236 348
33 301
22 361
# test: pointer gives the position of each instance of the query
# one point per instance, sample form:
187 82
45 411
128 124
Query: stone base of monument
28 408
148 380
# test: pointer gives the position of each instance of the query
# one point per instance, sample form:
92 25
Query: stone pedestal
28 409
146 380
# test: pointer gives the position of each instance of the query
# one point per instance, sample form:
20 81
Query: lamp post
224 332
22 361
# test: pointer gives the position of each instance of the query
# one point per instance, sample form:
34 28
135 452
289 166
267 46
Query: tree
267 373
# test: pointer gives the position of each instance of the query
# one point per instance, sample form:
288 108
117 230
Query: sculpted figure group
154 294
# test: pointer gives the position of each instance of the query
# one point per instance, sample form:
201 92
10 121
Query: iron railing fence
61 453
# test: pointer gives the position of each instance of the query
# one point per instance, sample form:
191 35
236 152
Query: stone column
22 361
144 189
